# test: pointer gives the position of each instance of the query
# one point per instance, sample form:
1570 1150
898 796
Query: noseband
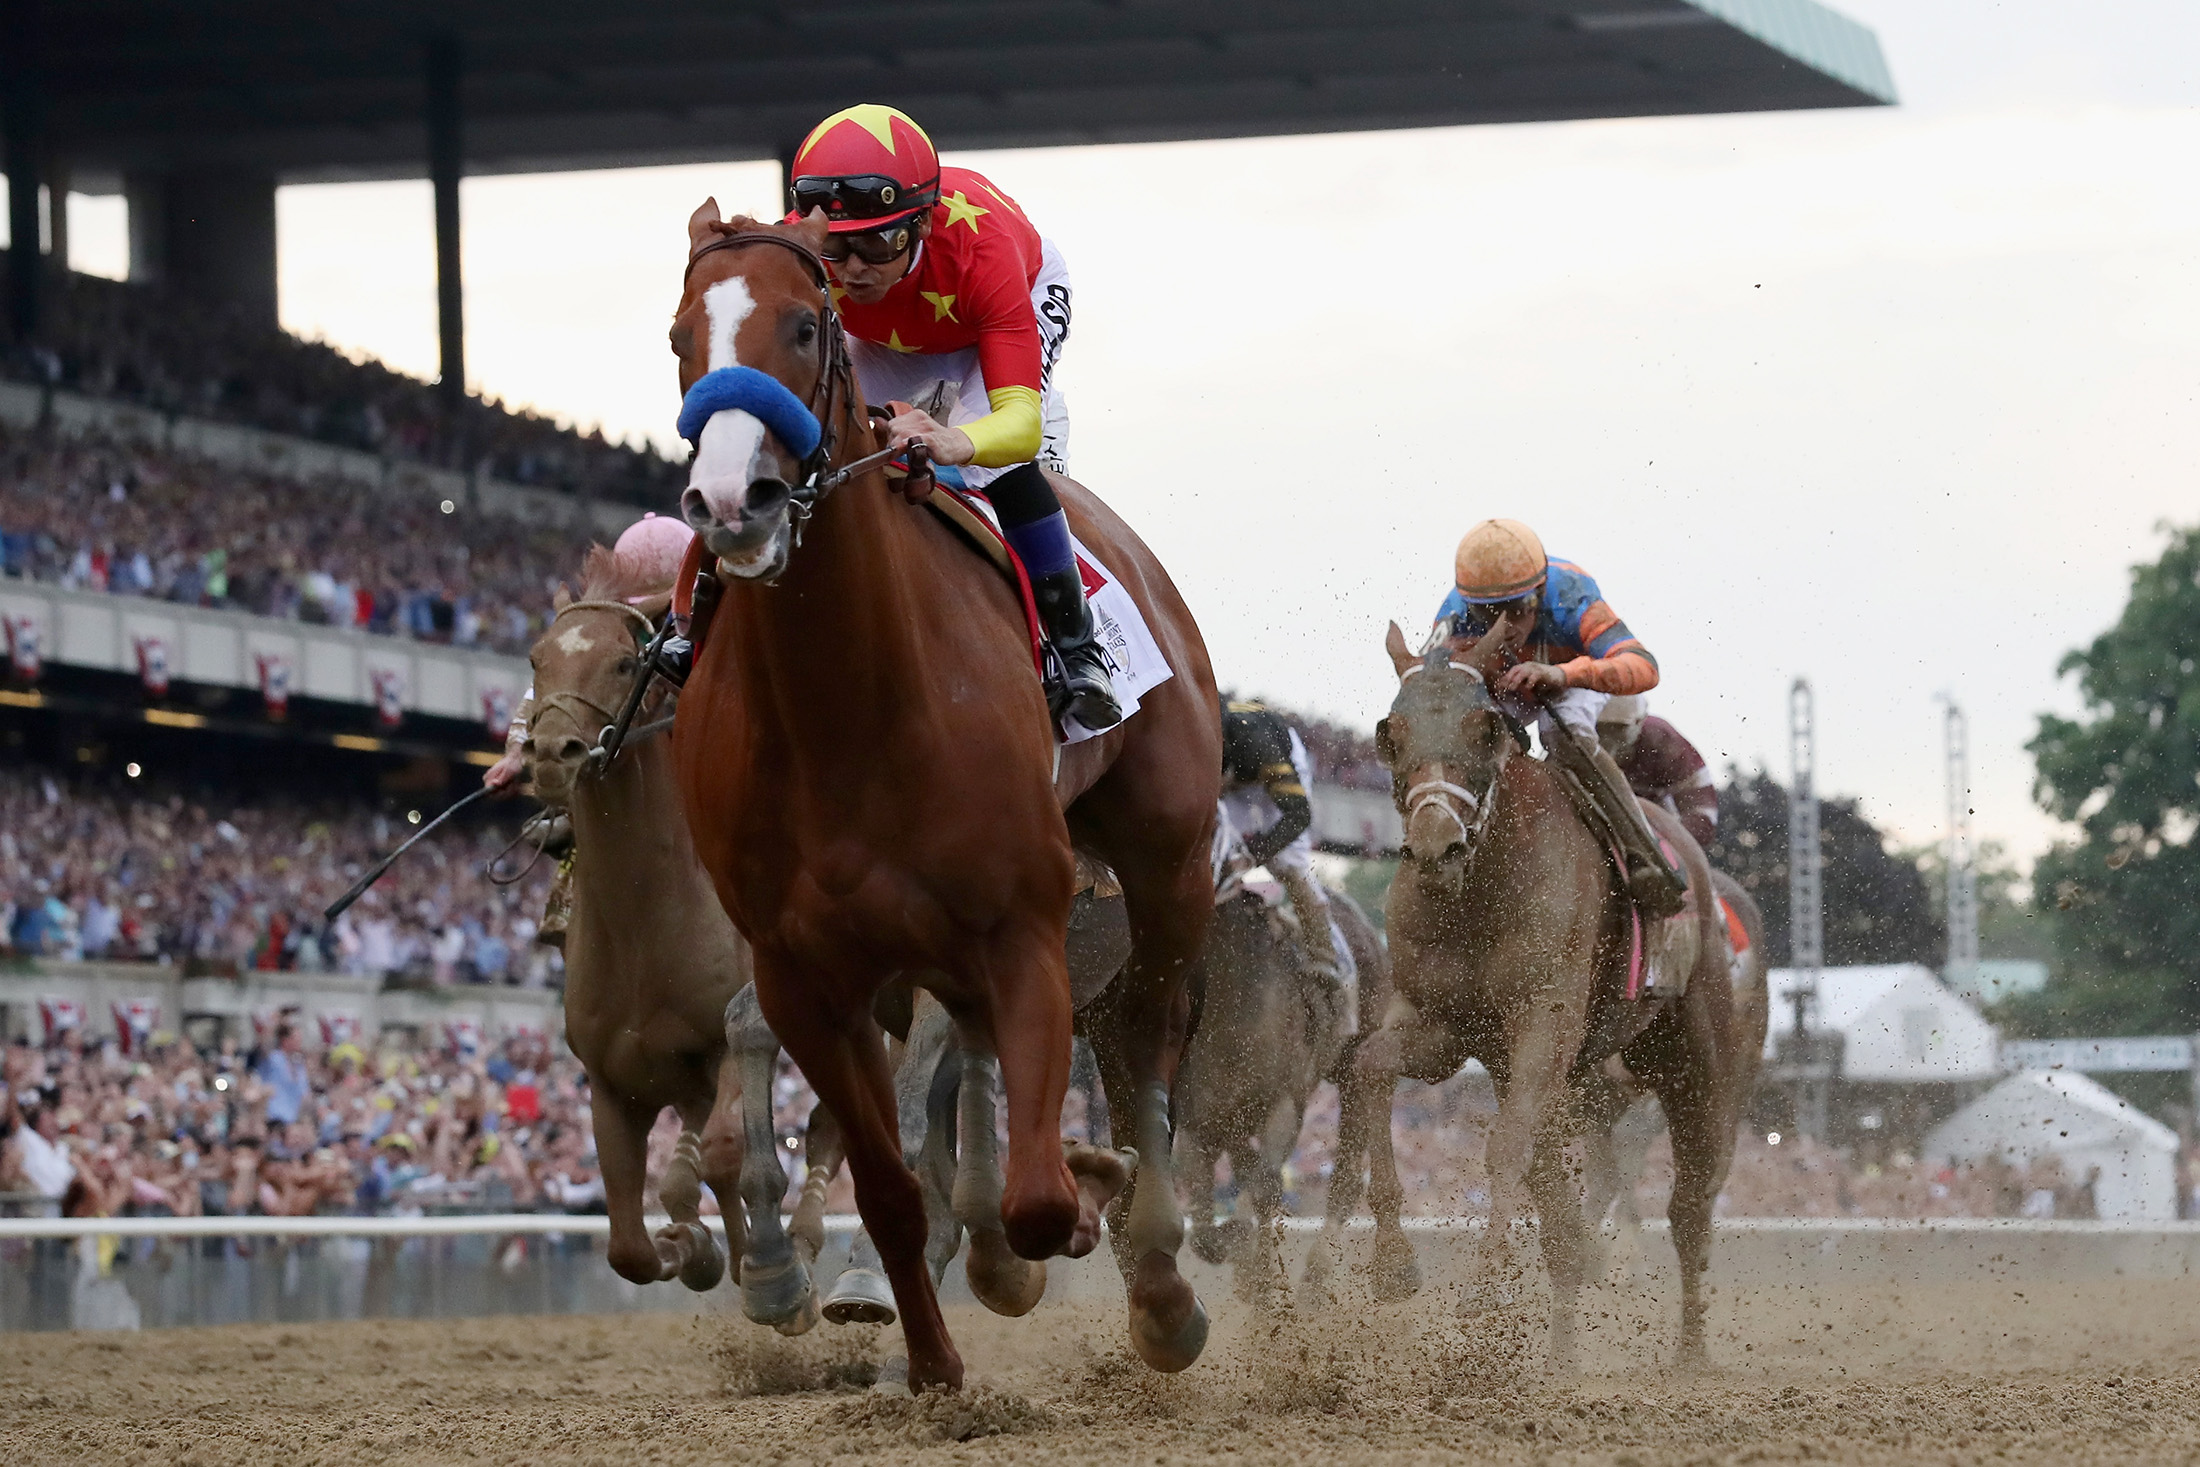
1466 810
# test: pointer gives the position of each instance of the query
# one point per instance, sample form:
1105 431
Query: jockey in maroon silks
1661 765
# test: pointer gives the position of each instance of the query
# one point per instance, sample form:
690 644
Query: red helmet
869 167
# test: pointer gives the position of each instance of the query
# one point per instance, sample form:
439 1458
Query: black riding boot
1087 693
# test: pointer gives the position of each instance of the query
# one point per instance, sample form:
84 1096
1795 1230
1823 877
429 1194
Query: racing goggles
871 246
864 196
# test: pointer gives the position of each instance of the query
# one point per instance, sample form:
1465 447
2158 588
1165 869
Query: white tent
1898 1023
2080 1123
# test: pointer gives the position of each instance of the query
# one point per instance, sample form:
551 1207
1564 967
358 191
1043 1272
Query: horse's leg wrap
701 1265
1003 1282
775 1284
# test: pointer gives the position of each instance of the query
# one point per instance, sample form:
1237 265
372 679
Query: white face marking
730 454
728 304
574 640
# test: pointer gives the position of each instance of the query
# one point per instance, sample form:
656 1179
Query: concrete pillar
22 135
145 209
446 161
57 214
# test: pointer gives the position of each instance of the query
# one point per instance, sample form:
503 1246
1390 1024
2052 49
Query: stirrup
1081 688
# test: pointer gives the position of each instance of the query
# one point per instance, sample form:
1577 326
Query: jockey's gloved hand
675 660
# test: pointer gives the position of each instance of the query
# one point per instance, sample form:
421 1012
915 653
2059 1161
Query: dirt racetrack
1988 1373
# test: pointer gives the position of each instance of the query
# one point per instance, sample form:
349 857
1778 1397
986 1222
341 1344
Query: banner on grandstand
339 1026
152 661
58 1015
496 712
389 695
135 1020
23 644
274 682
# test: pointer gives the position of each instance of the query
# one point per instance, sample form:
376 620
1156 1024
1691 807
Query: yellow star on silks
943 306
839 292
961 211
893 342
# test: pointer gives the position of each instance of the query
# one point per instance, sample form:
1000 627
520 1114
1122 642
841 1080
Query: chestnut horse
874 785
1509 943
652 967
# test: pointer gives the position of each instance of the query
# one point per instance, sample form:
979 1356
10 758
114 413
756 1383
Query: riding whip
359 888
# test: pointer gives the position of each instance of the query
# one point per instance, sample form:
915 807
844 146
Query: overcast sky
1890 398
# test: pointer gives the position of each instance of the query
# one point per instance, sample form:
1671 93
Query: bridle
834 389
1468 811
614 726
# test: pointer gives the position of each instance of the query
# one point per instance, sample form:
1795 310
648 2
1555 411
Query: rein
613 736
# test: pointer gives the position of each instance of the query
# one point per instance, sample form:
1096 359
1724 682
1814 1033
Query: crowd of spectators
231 887
171 352
137 521
1440 1134
284 1130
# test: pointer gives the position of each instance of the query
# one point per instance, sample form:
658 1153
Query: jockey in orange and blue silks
1574 655
956 311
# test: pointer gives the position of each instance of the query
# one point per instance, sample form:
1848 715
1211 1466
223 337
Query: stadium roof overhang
336 90
198 110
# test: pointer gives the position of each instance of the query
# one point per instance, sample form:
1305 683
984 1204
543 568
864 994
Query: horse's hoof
804 1321
705 1267
773 1293
1004 1283
1208 1245
1314 1288
893 1377
1397 1278
1168 1323
861 1296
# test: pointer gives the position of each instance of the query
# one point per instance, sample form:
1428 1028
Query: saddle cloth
1134 657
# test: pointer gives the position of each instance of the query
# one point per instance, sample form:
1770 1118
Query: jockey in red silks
1576 654
957 310
1662 766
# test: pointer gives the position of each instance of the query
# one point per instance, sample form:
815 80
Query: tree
2126 772
1878 908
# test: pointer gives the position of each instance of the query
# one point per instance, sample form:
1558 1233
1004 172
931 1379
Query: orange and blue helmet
868 167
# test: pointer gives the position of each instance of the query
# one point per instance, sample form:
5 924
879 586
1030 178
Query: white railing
537 1224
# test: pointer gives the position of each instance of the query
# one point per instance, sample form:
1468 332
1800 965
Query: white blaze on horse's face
733 456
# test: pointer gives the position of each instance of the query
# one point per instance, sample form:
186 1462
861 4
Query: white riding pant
951 387
1576 710
1250 811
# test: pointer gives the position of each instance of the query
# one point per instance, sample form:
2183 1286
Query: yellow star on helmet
893 342
961 211
943 306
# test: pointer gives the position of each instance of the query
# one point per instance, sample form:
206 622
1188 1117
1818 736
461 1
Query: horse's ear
561 598
811 229
1386 747
1401 657
700 222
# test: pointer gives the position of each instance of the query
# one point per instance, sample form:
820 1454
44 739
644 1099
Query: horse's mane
606 575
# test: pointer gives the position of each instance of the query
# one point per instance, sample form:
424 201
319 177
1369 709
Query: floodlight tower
1807 1059
1962 966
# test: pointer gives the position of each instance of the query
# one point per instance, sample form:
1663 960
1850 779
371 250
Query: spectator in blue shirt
284 1072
